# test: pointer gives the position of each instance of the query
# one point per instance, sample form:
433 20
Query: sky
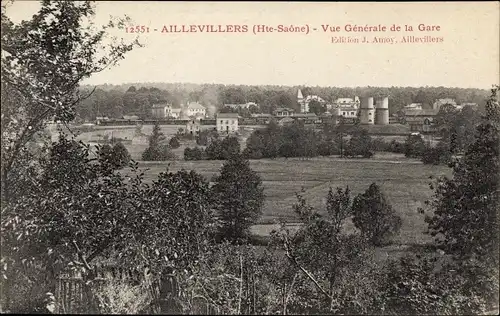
467 54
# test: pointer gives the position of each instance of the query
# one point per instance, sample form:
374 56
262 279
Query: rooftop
284 109
195 105
161 105
227 115
422 112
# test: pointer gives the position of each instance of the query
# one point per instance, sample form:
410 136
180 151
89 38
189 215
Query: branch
241 285
80 255
307 273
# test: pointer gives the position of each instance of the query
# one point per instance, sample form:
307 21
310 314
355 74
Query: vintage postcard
250 157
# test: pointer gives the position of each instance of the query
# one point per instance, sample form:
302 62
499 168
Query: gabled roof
299 95
227 115
311 115
195 105
161 105
284 109
423 112
344 100
286 120
262 115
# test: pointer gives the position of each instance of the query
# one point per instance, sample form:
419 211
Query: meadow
405 183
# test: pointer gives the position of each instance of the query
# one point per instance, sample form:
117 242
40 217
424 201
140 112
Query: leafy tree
316 107
441 154
239 198
174 143
132 89
195 153
157 150
360 144
78 212
326 257
374 216
43 62
223 149
416 285
465 208
121 155
230 147
414 146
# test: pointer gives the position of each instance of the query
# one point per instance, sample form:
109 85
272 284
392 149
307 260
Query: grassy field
404 181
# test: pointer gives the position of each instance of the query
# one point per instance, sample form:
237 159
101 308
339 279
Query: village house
176 113
440 102
227 122
347 112
347 102
161 110
241 106
195 110
130 117
420 120
283 112
193 127
262 118
413 106
304 102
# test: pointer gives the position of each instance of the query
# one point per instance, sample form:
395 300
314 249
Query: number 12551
137 29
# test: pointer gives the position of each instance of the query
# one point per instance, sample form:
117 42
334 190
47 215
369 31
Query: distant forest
115 101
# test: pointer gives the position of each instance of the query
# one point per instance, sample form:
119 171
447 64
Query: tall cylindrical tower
367 111
382 112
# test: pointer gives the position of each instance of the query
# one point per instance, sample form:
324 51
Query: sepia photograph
250 158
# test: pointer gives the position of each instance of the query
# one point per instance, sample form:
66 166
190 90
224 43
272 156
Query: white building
176 113
227 122
194 109
241 106
347 102
440 102
161 110
413 106
193 127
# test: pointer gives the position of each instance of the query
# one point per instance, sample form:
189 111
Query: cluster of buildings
192 110
366 110
422 120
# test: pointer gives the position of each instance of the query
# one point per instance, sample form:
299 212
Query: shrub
439 155
414 146
119 297
360 144
174 143
160 153
195 153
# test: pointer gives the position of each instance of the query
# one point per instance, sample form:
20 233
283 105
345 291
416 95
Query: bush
194 153
174 143
160 153
328 148
375 217
360 144
116 156
439 155
417 285
414 146
396 147
223 149
119 297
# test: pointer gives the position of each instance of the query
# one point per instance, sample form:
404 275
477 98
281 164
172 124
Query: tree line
138 99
